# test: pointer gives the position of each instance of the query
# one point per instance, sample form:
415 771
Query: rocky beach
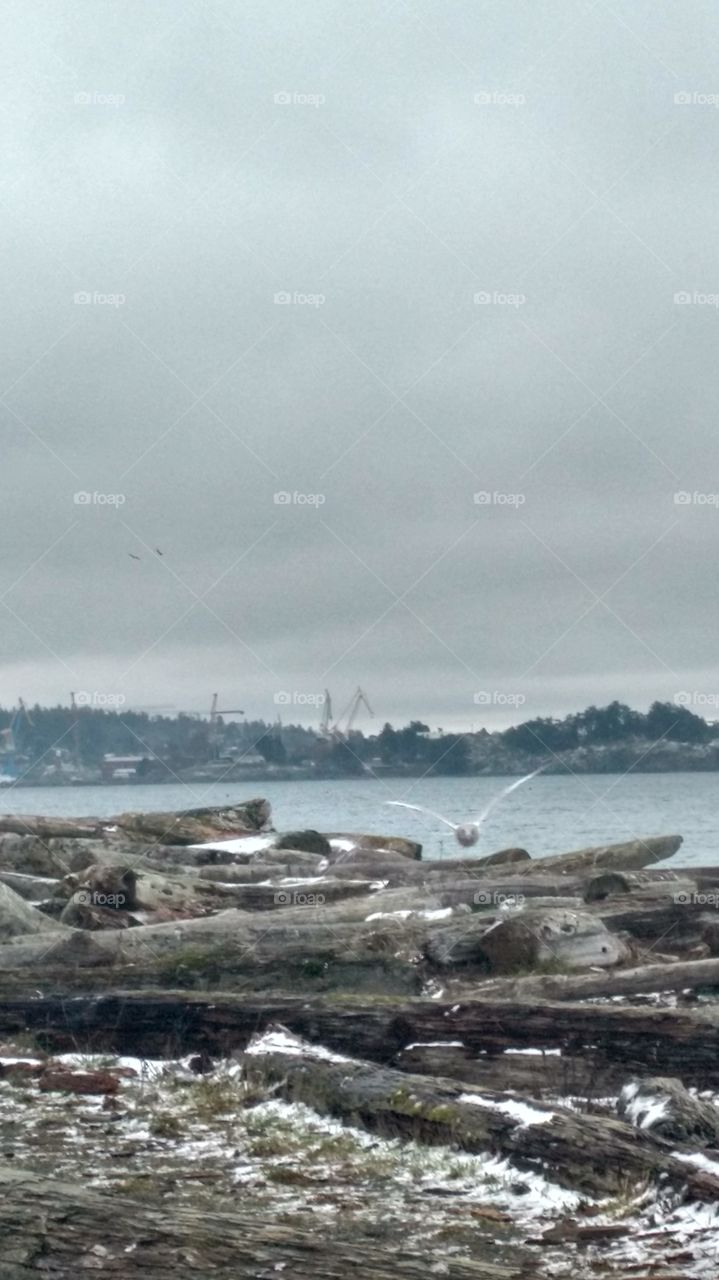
227 1050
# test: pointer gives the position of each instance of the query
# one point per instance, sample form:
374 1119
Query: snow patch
278 1041
512 1107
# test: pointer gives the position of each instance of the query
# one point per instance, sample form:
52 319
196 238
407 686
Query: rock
86 915
661 1105
198 826
552 936
101 885
68 1081
307 841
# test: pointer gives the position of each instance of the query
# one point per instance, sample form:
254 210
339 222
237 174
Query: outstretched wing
419 809
512 787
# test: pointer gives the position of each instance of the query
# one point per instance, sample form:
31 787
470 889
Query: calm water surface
548 815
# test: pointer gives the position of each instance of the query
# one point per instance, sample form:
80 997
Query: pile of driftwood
497 1004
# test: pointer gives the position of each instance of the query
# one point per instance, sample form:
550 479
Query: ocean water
548 815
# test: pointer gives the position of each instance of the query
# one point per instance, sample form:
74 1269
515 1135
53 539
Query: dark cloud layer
441 275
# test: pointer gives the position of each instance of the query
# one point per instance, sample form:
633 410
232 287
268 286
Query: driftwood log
50 1227
553 1140
194 826
635 1040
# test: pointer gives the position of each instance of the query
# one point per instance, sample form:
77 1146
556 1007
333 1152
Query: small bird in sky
133 557
157 551
467 833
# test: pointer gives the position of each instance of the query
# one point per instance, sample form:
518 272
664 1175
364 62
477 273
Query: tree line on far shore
180 742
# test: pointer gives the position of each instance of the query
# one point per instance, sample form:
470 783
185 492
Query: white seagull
467 833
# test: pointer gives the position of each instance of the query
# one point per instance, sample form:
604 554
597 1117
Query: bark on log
427 1109
50 1227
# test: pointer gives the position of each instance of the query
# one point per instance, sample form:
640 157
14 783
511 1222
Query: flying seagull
467 833
133 557
157 551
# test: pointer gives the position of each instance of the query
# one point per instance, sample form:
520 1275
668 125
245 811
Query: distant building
121 768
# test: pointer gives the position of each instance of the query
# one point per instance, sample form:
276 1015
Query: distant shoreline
552 771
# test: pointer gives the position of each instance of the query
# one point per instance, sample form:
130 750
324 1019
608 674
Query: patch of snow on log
436 1044
277 1040
239 844
699 1160
556 1053
440 913
512 1107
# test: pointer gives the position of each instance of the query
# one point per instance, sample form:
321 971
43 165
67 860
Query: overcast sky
482 212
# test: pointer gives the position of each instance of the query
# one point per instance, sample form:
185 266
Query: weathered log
25 824
637 1040
256 872
31 888
51 1227
197 826
647 978
616 857
434 1110
534 1073
18 917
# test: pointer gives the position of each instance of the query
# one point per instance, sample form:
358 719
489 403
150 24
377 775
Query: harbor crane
341 729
